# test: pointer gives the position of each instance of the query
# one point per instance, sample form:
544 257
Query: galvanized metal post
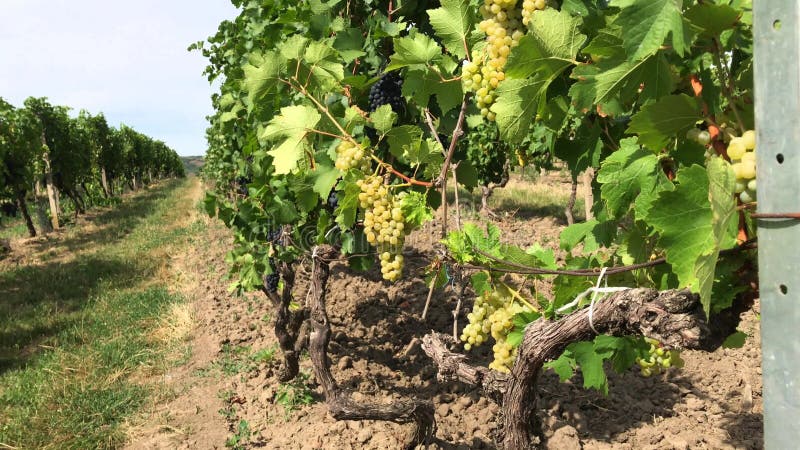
777 89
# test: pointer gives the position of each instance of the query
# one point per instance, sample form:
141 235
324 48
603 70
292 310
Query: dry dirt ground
225 394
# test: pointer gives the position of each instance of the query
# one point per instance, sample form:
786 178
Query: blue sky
127 59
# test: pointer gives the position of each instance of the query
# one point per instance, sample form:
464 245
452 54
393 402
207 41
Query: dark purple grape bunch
333 200
388 91
241 186
271 281
273 235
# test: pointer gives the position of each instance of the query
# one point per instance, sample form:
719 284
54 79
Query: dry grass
175 325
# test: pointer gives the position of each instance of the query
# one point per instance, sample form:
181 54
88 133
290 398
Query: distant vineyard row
46 155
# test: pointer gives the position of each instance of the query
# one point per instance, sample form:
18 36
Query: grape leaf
575 233
414 50
591 365
415 209
293 47
521 320
383 118
349 43
580 151
422 84
348 200
658 123
516 105
712 19
735 340
403 137
452 23
630 175
622 349
602 83
563 366
549 48
261 79
481 283
325 177
723 225
320 64
694 222
291 128
606 44
646 24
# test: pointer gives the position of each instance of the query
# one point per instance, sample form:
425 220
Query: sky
125 59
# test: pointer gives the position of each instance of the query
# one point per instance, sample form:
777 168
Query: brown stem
431 288
455 367
487 191
573 193
442 180
453 168
521 268
23 206
674 317
727 82
340 402
287 324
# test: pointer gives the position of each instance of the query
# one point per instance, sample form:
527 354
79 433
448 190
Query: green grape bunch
742 152
493 314
384 223
352 156
657 359
504 25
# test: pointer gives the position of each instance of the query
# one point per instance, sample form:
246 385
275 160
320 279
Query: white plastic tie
594 290
594 298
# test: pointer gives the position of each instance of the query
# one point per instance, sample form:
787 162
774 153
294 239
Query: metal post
777 89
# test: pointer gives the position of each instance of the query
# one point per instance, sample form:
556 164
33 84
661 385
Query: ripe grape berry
333 200
271 282
274 235
241 185
387 91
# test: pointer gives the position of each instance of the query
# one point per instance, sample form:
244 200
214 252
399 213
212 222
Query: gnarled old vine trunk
673 317
288 324
340 402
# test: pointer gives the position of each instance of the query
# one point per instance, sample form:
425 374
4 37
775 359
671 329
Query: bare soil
715 402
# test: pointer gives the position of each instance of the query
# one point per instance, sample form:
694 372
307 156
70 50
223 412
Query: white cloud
126 59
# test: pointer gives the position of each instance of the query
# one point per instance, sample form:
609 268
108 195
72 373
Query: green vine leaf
602 83
659 122
549 48
383 118
516 106
415 209
325 178
453 23
646 24
290 128
694 222
422 84
262 78
712 19
415 50
630 175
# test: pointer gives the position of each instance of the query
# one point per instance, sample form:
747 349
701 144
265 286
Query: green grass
523 199
294 394
12 228
76 330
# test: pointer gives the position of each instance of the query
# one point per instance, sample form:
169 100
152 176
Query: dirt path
228 389
190 418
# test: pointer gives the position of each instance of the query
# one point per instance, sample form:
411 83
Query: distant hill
192 164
